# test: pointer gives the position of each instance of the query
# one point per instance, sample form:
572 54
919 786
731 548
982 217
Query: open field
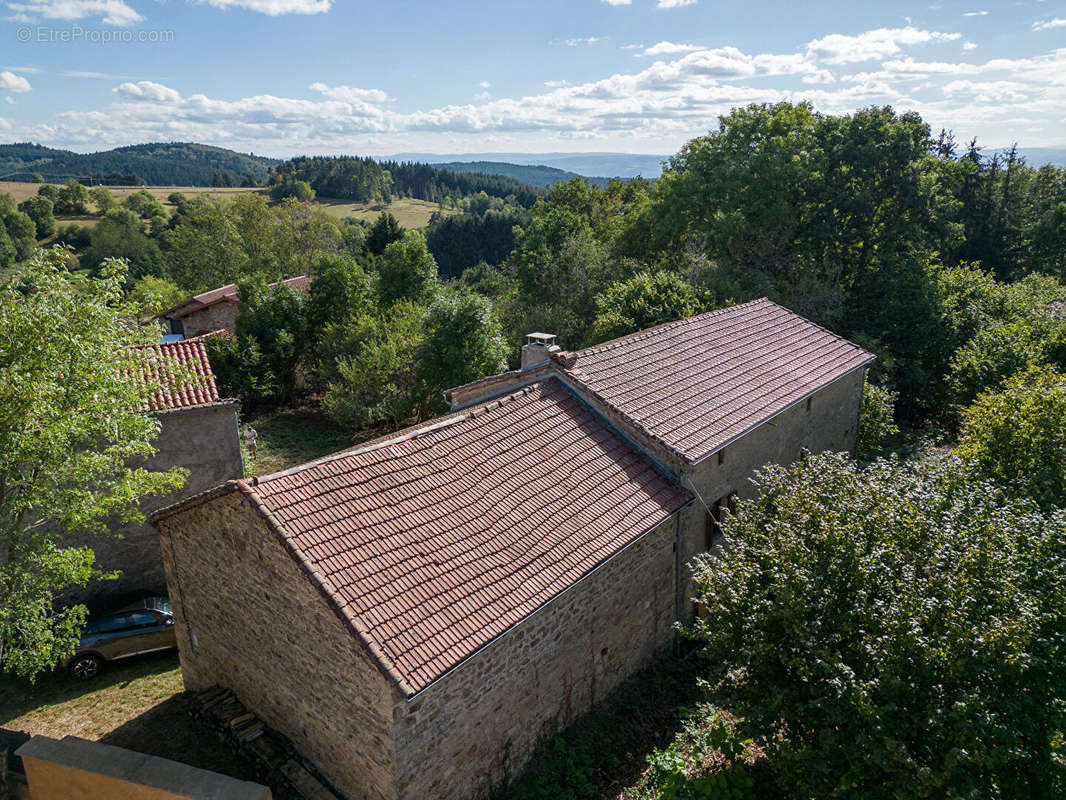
289 438
408 212
137 703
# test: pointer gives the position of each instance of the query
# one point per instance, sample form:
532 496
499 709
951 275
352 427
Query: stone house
198 431
418 612
215 310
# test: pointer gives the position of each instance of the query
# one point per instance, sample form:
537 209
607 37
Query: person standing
251 439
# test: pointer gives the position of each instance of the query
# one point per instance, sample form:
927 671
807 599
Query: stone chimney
538 349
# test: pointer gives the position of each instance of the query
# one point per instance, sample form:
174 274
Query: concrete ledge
76 769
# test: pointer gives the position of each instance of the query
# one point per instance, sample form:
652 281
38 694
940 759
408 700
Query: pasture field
410 213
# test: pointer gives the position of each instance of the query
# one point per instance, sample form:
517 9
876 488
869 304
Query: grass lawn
408 212
290 437
137 703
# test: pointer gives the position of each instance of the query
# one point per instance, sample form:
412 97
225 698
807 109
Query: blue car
142 627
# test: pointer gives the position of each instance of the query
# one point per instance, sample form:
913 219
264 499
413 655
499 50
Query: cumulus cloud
669 48
876 44
350 94
11 82
1058 22
147 90
275 8
112 12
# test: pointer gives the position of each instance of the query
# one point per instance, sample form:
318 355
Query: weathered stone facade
247 617
218 317
479 724
203 440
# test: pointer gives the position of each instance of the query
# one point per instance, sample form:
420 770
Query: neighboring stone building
214 310
198 432
418 612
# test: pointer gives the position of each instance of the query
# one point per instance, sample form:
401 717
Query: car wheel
85 667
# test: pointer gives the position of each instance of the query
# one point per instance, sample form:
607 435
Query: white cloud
275 8
618 2
838 48
11 82
112 12
4 124
669 48
675 3
485 84
147 90
580 40
968 46
9 100
349 94
975 14
1058 22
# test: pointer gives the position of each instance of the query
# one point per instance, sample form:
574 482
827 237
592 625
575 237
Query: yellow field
409 213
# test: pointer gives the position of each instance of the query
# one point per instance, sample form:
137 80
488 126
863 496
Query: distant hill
533 174
160 164
613 165
1036 156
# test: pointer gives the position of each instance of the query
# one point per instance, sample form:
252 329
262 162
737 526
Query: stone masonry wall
830 423
220 316
479 724
205 442
248 618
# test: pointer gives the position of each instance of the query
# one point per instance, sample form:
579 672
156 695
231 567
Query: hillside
614 165
533 174
159 164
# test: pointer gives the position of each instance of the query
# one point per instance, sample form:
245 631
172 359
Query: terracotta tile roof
439 540
698 383
184 368
227 293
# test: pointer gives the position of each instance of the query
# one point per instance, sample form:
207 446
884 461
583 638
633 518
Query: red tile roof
228 293
440 539
184 368
698 383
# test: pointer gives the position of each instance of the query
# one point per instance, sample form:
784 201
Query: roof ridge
411 432
646 333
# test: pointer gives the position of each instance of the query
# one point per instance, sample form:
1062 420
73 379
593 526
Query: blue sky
283 77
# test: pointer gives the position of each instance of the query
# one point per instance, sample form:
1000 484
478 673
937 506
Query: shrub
876 423
1016 436
891 631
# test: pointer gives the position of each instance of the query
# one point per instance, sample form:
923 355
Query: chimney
538 349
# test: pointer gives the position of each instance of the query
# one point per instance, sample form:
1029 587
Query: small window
809 403
721 456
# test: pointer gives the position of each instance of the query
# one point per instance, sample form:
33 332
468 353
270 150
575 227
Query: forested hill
366 180
161 164
534 175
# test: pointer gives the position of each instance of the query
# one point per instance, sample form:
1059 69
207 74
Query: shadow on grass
604 752
19 697
289 437
168 730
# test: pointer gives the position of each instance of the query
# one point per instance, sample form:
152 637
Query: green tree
876 421
21 231
463 342
119 235
71 199
1049 242
40 210
50 191
385 230
240 369
102 198
152 295
300 191
645 300
340 290
1016 436
144 204
891 631
73 432
377 382
204 251
276 320
407 271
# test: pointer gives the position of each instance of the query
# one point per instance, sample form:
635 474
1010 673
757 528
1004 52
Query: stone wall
248 618
202 440
220 316
829 422
480 723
